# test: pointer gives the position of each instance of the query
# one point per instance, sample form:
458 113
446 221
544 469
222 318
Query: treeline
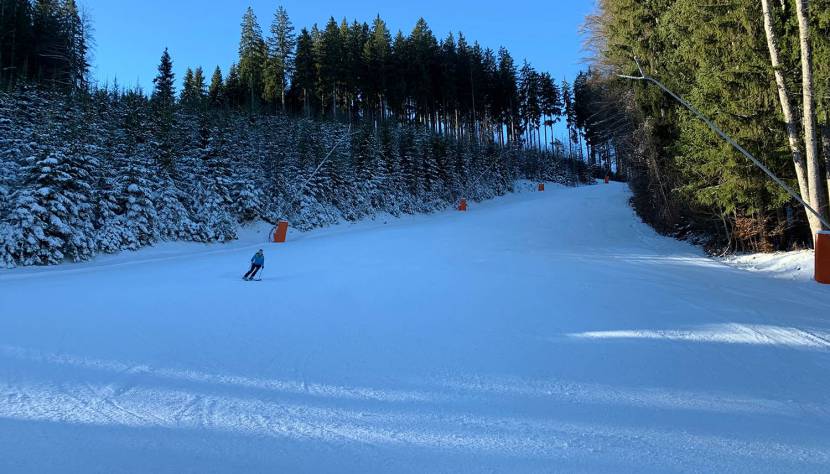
357 71
726 60
349 72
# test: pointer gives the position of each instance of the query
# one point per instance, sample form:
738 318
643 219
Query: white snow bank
788 265
755 334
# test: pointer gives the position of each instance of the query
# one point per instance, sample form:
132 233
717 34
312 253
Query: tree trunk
570 144
825 140
786 106
818 199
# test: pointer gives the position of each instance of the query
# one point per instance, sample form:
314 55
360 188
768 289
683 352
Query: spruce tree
16 42
252 55
529 100
329 58
280 63
304 79
570 116
49 44
376 57
75 31
188 96
53 210
234 90
164 102
216 93
551 104
199 84
507 89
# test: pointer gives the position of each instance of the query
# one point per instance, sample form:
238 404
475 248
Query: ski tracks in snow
536 333
445 428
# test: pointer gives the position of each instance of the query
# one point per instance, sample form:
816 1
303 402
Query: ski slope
539 332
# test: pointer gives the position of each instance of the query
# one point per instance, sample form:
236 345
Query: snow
789 265
538 332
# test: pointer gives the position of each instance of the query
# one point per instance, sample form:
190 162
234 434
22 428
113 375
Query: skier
257 263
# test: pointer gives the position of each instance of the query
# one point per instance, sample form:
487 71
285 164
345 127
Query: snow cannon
280 232
462 206
823 257
541 187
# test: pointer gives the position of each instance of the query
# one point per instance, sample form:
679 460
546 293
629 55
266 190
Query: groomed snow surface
539 332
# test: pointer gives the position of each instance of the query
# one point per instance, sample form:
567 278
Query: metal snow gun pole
280 232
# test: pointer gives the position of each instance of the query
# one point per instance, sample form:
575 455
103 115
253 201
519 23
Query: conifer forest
396 124
748 65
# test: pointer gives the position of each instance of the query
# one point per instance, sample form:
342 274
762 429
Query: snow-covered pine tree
346 199
392 186
135 170
172 189
314 210
13 147
410 170
15 144
461 171
285 172
52 210
247 163
111 230
442 158
370 171
427 174
210 188
52 201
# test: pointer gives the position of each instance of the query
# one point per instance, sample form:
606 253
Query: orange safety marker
462 206
281 232
823 257
607 179
541 187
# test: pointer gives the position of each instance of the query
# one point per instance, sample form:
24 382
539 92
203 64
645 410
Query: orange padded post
541 187
281 232
607 179
462 206
823 257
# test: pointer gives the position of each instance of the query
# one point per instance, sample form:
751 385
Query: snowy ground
539 332
798 265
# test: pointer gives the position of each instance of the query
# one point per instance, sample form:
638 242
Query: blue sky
131 36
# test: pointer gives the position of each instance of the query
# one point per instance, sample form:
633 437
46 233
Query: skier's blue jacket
258 259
